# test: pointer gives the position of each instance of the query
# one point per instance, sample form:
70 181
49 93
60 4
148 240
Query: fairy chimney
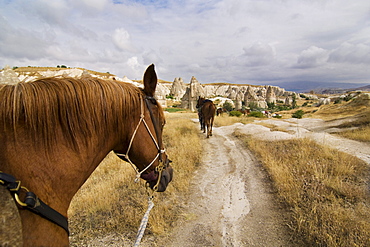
178 88
195 89
270 95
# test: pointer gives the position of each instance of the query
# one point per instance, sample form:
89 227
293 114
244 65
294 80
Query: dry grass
355 113
327 190
362 127
361 134
343 110
111 202
35 70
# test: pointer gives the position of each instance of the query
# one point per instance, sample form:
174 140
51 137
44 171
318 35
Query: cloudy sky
238 41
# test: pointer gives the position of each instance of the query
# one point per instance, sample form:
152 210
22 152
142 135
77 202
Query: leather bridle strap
32 202
126 156
155 124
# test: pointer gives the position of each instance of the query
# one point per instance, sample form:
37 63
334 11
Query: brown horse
219 111
206 112
244 111
54 132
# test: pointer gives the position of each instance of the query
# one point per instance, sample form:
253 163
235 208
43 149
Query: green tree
227 106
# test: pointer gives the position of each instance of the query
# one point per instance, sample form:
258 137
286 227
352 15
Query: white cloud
95 4
121 38
312 57
351 53
240 41
258 54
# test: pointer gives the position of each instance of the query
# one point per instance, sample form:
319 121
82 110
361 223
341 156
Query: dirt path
232 202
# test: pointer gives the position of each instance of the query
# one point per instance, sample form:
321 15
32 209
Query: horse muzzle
153 177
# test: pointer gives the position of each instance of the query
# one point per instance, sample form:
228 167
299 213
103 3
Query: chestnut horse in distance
55 131
206 112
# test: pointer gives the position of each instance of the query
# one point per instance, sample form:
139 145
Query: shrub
298 114
235 113
270 105
256 114
337 101
253 106
227 106
174 109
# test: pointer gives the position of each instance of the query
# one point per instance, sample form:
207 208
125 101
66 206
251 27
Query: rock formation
189 100
240 95
178 89
8 76
270 95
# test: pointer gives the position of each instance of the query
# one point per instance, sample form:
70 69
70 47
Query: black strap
33 203
37 206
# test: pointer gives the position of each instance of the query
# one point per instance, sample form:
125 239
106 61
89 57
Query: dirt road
232 201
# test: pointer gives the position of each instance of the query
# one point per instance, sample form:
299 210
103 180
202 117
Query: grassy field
357 110
110 201
326 190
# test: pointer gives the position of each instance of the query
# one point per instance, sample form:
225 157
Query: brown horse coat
54 132
207 111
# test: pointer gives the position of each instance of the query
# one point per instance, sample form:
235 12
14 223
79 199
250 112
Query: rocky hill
186 93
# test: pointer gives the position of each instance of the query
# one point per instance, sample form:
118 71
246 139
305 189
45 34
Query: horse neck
57 174
54 177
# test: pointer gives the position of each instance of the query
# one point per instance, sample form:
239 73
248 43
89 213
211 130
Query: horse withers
206 113
55 131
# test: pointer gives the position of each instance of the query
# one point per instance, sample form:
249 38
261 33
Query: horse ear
150 81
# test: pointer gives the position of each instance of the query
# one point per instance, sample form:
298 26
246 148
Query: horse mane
80 108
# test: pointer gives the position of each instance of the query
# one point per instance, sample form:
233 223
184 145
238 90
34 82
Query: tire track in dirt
232 202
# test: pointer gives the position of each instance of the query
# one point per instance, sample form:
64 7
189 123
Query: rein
126 157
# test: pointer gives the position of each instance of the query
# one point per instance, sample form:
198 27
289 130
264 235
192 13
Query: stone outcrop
270 95
178 89
8 76
288 101
189 100
241 95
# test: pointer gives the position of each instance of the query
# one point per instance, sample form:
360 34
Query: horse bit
162 164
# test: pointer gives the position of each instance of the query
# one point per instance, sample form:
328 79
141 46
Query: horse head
200 102
149 157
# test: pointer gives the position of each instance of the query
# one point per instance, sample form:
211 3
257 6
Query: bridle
158 143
